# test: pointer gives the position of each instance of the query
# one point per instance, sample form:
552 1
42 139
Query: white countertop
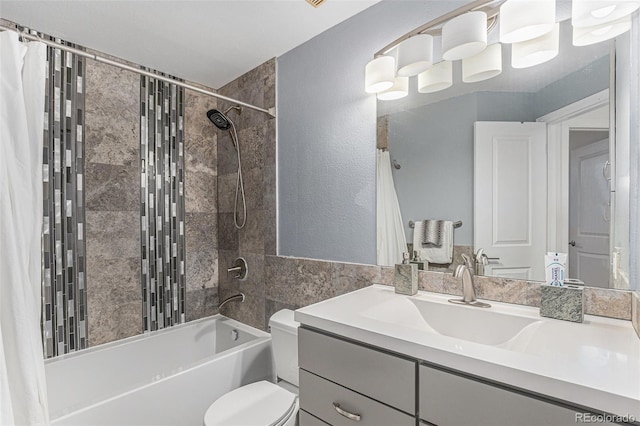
595 364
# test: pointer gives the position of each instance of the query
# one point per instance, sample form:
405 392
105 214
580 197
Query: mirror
552 187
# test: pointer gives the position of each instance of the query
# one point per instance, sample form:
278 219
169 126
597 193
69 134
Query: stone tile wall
112 175
112 182
257 136
201 206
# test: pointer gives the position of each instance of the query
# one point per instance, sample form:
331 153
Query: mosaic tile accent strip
162 203
64 317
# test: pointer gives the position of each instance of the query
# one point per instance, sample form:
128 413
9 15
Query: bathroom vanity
373 357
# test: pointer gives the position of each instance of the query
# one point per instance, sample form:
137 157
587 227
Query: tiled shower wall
113 204
112 123
201 201
257 135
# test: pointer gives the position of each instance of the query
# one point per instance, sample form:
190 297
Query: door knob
572 243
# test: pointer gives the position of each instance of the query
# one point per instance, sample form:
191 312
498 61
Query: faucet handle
239 270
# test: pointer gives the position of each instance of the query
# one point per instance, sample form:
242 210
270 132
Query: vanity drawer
450 399
319 397
381 376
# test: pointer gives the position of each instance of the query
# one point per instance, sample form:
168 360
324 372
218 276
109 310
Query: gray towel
432 233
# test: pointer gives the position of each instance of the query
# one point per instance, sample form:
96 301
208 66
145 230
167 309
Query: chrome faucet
241 297
239 270
465 271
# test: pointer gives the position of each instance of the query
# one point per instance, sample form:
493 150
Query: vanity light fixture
589 13
464 36
528 25
591 35
534 52
380 74
484 65
522 20
415 55
436 78
399 90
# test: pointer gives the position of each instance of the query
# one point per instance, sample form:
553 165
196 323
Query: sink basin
496 326
471 324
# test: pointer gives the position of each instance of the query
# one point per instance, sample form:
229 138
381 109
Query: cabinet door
449 399
379 375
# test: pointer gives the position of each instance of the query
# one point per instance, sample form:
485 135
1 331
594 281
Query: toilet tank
284 340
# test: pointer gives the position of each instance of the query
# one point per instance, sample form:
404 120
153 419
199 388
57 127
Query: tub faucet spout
239 297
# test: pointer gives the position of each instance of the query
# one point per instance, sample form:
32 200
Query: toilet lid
258 404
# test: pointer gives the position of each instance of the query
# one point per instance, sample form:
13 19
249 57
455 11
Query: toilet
265 403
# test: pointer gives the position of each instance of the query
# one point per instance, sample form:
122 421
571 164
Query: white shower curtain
23 392
391 240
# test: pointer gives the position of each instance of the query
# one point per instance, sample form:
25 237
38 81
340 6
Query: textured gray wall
575 86
327 134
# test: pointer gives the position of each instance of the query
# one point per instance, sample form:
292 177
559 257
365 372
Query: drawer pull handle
346 414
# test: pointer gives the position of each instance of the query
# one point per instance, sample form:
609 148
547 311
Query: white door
589 214
510 198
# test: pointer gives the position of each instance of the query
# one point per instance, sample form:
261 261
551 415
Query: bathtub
166 377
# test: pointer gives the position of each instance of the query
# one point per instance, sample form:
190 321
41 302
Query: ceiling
207 41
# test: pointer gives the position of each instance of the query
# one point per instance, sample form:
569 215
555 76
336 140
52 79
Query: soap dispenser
406 277
421 263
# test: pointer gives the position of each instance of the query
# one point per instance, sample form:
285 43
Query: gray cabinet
450 399
346 383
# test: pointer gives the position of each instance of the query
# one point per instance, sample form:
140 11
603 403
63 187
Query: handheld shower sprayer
222 122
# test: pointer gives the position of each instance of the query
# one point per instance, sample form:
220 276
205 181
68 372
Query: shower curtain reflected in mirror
391 241
23 392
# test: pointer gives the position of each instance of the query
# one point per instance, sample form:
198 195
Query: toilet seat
257 404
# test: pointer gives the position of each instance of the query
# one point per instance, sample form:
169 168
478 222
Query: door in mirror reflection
589 206
510 197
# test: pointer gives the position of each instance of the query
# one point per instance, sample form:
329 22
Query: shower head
219 119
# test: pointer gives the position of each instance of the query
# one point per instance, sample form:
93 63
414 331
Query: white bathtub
167 377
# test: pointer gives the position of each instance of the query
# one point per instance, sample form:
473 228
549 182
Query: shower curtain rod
270 112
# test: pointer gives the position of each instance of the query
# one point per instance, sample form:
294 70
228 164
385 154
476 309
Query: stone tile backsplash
296 282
